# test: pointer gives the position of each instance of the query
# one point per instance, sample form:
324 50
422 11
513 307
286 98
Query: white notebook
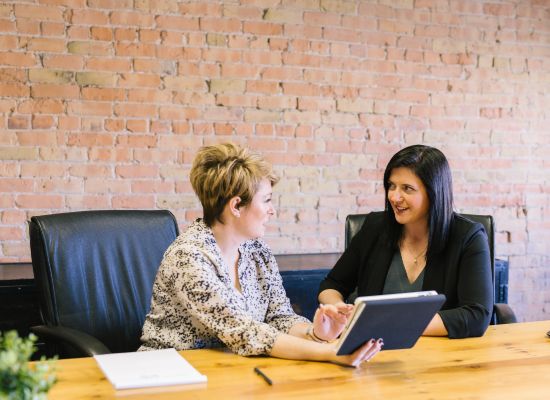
148 368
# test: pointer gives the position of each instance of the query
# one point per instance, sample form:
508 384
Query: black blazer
462 272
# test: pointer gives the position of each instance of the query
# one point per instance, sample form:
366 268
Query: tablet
399 319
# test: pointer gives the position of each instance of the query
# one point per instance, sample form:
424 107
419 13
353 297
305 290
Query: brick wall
103 104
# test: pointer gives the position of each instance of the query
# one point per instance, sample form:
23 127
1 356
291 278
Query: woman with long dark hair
419 243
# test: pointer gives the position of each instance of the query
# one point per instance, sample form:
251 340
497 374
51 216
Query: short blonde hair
223 171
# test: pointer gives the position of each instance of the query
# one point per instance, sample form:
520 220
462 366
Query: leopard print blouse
195 305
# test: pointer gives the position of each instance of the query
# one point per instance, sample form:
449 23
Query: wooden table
509 362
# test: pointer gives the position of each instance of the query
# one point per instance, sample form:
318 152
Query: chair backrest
94 270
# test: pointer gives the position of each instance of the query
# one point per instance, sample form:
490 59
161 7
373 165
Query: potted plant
20 379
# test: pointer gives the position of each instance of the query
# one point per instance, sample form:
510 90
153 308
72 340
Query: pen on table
264 376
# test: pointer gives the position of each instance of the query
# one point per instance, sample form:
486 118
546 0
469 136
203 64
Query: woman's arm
436 327
331 296
294 348
474 290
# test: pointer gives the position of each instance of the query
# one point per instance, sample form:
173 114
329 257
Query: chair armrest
84 344
504 314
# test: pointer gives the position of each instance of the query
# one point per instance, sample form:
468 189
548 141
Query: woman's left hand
330 320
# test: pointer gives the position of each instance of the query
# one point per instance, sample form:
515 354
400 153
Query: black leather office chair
94 272
502 313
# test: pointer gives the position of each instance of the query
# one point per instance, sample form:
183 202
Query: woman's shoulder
374 221
259 251
464 227
196 238
463 223
257 246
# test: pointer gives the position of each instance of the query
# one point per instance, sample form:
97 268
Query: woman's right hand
363 353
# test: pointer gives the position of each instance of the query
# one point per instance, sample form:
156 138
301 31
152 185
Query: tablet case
398 321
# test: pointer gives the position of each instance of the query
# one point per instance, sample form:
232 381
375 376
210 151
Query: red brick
39 201
136 125
180 127
89 17
78 32
199 8
159 127
147 186
195 98
135 110
9 27
158 66
52 29
123 49
111 4
301 89
263 87
38 169
131 18
277 102
18 185
171 38
11 233
88 202
240 71
46 45
101 33
89 139
17 59
262 28
149 96
282 73
102 94
177 23
18 122
179 53
43 122
90 108
91 171
13 75
90 48
45 12
133 80
126 34
13 217
136 171
10 42
69 123
236 100
151 35
14 90
69 62
221 55
41 106
499 9
167 112
220 24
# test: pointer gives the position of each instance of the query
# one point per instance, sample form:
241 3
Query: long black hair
431 166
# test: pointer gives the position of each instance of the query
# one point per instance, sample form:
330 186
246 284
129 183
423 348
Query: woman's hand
330 320
364 353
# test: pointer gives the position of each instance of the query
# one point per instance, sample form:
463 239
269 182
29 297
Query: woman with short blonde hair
219 284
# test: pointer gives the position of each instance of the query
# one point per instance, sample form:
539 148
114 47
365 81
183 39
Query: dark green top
397 280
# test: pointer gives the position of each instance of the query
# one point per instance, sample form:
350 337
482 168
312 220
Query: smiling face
255 215
408 197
